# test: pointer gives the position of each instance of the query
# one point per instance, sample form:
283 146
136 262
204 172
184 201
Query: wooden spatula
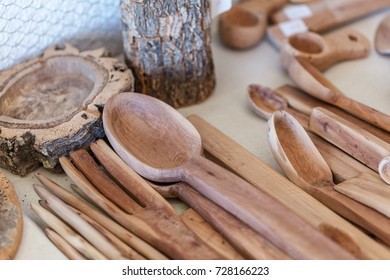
382 37
11 219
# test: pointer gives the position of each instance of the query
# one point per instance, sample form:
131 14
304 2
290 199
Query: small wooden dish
49 105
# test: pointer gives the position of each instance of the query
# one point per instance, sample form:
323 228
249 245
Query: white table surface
366 80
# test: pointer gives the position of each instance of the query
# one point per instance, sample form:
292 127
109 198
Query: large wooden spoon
11 220
161 145
244 25
312 81
382 37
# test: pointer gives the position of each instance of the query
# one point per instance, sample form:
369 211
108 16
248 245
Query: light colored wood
382 37
274 184
325 51
304 103
205 232
326 15
11 219
73 238
153 219
161 145
342 165
369 191
352 139
49 105
312 81
67 249
244 25
126 236
245 240
96 238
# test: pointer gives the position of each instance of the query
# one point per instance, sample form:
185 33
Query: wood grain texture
311 80
271 182
244 25
167 148
325 51
11 219
50 105
167 44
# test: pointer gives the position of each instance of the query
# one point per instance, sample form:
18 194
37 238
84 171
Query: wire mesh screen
27 27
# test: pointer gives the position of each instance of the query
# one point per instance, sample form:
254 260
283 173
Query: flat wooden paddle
11 219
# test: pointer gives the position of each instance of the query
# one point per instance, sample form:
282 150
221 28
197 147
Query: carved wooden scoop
325 51
244 25
312 81
11 220
163 146
382 37
304 165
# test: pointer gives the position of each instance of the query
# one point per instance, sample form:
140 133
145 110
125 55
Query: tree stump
49 105
168 47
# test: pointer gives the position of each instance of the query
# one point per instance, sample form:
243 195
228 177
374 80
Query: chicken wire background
28 27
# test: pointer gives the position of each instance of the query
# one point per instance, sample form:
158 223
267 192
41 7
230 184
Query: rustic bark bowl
50 104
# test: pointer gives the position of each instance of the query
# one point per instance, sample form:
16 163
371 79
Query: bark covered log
167 45
50 105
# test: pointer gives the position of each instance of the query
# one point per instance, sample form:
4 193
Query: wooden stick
66 248
126 236
90 233
78 242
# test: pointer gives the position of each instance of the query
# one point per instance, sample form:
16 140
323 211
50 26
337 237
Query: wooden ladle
311 80
324 51
244 25
163 146
11 219
304 165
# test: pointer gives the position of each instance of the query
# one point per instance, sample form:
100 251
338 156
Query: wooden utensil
129 238
382 37
161 145
302 162
312 81
148 215
244 239
11 220
324 51
355 141
369 191
248 166
244 25
322 16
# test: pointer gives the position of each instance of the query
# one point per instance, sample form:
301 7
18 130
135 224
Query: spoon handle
264 214
350 138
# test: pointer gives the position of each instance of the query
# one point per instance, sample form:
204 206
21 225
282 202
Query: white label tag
291 27
297 11
219 6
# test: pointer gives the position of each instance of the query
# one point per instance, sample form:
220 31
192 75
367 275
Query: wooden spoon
244 25
382 37
305 166
323 16
312 81
325 51
360 144
11 220
163 146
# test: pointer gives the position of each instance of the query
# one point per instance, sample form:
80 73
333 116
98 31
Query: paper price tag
297 11
291 27
219 6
